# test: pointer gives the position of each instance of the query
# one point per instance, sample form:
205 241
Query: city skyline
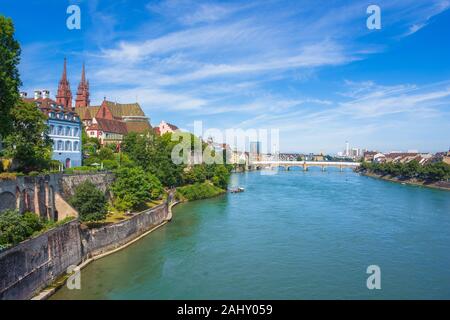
317 74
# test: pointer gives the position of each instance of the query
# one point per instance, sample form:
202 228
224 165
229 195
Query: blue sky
312 69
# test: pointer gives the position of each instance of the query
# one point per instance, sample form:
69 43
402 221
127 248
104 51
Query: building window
75 146
60 130
75 132
67 131
59 145
68 146
52 129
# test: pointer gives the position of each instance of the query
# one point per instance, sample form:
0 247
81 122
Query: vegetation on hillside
16 227
412 170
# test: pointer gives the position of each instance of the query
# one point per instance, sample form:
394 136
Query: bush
198 191
134 187
8 176
110 164
89 201
15 227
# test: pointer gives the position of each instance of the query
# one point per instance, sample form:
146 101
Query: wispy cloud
256 63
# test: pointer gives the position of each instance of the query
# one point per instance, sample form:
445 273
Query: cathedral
109 122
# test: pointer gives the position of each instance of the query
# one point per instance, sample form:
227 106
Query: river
292 235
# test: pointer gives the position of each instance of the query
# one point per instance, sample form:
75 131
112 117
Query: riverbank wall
442 185
36 263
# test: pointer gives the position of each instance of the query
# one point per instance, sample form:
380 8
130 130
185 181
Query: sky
311 69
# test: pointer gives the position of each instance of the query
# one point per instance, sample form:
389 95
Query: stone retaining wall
35 263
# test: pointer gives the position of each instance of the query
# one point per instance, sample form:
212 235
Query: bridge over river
304 164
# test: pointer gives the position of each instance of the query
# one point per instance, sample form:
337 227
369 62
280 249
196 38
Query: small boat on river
237 190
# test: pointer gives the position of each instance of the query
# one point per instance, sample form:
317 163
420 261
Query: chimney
45 94
23 94
37 94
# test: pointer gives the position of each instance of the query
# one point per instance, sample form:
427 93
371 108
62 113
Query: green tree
133 187
15 227
89 201
106 154
195 174
29 143
9 74
221 176
154 154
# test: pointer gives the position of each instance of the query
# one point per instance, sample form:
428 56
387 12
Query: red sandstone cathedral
108 122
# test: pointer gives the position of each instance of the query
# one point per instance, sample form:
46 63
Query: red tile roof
172 126
112 126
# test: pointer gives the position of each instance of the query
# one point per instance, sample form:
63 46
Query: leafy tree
195 174
154 154
15 227
221 176
134 187
89 201
9 74
29 143
106 154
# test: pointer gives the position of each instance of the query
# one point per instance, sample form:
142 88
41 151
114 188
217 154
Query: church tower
64 95
82 99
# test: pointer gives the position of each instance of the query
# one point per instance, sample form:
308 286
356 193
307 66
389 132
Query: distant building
440 157
379 157
105 127
64 129
64 123
255 151
369 155
165 127
400 157
318 157
239 158
111 121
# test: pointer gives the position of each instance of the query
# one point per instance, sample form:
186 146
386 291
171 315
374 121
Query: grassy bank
198 191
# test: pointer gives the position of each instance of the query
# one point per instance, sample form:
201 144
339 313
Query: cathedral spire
82 99
83 76
64 95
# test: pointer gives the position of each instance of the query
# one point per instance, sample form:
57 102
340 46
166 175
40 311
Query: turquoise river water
292 235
